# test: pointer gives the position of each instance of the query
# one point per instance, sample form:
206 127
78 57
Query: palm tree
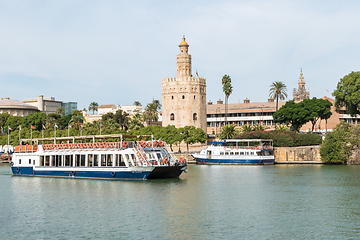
60 110
228 132
278 91
136 122
122 118
137 103
151 111
93 107
227 89
77 120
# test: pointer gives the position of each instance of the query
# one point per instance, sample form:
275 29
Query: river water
209 202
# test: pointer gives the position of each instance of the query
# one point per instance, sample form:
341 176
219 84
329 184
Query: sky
117 52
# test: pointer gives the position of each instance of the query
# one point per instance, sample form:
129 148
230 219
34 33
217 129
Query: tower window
172 97
194 96
194 116
183 97
172 117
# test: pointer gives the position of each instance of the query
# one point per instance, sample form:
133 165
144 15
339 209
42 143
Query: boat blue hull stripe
132 175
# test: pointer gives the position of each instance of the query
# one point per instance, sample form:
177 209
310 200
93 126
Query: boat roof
87 137
243 140
248 140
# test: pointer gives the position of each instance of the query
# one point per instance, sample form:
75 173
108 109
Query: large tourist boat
115 160
238 152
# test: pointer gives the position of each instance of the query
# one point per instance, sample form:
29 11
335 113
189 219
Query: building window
172 97
172 117
194 116
183 97
30 161
19 161
194 96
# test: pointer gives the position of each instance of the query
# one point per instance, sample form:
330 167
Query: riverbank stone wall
304 154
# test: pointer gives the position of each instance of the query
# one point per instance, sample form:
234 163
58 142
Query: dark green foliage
284 138
228 131
297 114
347 93
338 145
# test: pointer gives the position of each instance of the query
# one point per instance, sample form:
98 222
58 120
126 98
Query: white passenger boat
237 152
116 160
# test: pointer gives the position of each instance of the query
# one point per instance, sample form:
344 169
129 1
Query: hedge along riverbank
284 138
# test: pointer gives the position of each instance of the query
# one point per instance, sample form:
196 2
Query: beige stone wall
297 154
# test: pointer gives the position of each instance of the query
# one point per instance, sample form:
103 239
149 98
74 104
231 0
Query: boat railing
26 148
248 147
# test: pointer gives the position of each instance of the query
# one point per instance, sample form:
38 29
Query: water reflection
209 202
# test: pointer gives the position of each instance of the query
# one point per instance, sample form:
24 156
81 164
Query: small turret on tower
183 61
301 93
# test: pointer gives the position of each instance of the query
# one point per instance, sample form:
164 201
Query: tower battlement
201 80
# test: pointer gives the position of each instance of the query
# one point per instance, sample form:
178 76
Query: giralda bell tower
184 97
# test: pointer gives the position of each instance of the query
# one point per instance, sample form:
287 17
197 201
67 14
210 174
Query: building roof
107 106
7 103
233 107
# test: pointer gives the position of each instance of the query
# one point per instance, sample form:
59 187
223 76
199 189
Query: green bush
339 144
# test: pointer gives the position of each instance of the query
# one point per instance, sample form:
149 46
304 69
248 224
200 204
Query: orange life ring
138 154
148 144
124 144
44 146
236 148
166 160
161 143
231 148
155 143
224 148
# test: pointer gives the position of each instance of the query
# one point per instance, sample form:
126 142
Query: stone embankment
283 155
297 155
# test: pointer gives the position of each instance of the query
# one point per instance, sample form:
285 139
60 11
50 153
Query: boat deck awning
88 137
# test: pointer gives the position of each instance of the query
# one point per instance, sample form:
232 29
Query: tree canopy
297 114
93 107
292 113
347 93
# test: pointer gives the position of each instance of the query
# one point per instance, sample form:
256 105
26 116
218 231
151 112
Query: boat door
208 153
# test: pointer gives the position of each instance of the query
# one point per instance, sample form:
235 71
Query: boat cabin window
231 153
158 155
68 160
30 161
96 160
241 153
109 160
80 160
47 160
33 162
236 153
90 160
42 161
119 160
221 153
103 160
226 153
53 161
19 161
252 153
